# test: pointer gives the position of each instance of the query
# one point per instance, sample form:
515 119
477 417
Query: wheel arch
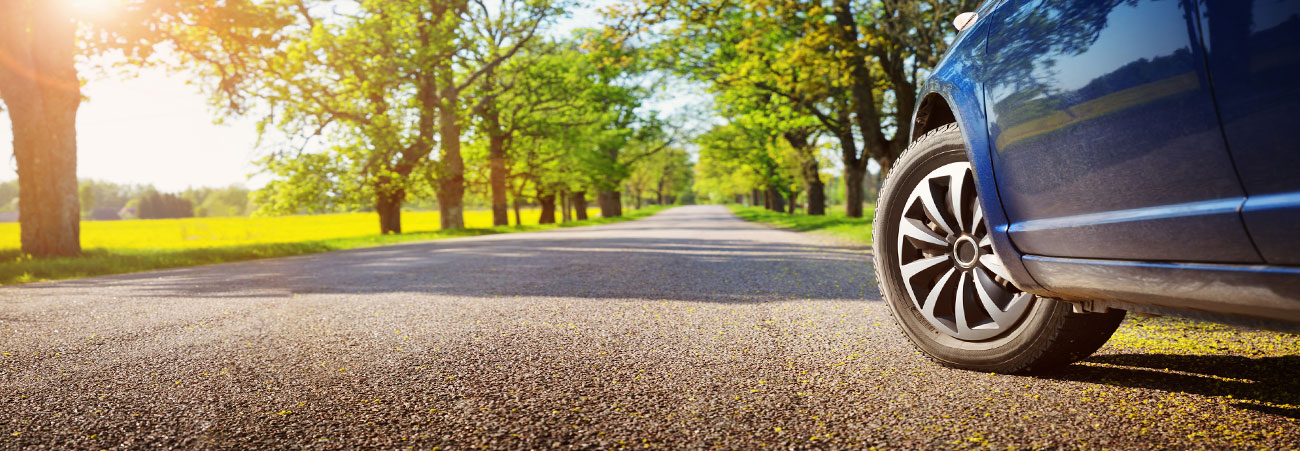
950 96
931 112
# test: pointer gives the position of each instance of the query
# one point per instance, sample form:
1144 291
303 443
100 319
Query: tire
952 298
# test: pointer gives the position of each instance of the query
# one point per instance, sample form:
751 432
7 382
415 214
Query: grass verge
17 268
834 223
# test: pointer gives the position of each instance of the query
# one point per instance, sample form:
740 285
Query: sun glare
93 8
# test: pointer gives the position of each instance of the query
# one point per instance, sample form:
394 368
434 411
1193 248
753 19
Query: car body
1135 154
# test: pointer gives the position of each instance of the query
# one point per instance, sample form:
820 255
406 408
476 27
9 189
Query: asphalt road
687 329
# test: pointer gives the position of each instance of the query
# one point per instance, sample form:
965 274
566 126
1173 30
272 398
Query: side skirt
1251 295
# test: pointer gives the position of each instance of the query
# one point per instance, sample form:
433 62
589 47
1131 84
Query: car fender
956 82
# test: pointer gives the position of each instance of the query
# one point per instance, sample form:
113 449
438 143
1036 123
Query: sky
156 129
153 129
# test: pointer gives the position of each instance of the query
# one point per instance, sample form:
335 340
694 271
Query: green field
834 223
113 247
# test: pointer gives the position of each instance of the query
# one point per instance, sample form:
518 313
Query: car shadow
1267 384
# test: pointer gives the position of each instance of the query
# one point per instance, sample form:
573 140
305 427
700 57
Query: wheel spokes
994 265
956 198
921 235
931 207
959 307
933 300
910 270
970 299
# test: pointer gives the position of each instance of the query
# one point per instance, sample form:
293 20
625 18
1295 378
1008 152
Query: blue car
1076 159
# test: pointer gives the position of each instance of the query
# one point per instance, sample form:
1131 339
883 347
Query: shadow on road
692 263
1269 384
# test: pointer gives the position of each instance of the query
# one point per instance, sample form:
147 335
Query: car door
1254 57
1104 134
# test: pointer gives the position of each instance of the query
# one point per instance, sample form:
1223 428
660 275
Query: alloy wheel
947 262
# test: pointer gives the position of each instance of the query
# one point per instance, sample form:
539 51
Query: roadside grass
834 223
116 247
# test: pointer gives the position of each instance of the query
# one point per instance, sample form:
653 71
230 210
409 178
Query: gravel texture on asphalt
690 329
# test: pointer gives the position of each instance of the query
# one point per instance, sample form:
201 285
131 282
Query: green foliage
845 69
233 200
9 195
86 196
155 205
664 177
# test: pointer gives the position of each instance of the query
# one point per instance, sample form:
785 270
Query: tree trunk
389 207
637 195
816 189
451 168
38 82
853 178
518 217
774 200
611 204
547 202
497 172
579 201
566 215
809 171
794 202
754 198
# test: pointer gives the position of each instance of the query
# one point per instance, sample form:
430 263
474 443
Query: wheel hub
965 252
946 259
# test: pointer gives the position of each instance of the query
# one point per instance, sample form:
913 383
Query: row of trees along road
786 73
374 102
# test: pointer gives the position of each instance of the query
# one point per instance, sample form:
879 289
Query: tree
540 94
621 134
667 175
41 92
86 196
741 157
385 85
852 65
155 205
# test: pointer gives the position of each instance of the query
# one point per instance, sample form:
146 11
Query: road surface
688 329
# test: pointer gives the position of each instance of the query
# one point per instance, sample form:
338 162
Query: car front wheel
945 285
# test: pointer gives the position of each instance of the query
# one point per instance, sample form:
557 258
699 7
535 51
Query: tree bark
611 204
794 202
774 200
579 201
754 198
809 170
566 215
815 187
389 207
547 201
519 220
451 180
38 82
497 170
853 178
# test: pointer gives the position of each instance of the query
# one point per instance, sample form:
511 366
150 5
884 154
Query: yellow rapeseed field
192 233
